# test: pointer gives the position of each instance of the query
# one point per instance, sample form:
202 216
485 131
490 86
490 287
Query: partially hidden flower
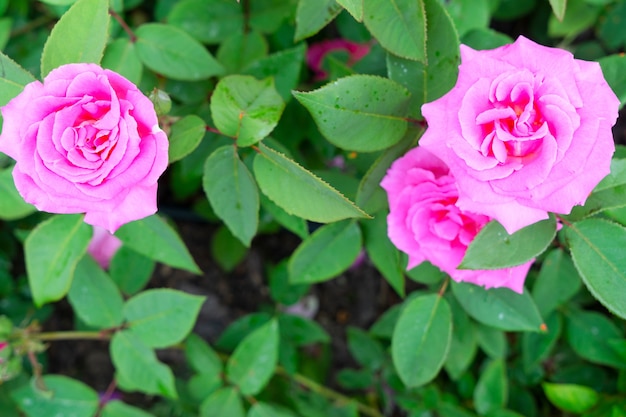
317 52
525 131
86 140
103 246
425 222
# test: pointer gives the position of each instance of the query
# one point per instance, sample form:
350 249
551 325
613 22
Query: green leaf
12 205
499 307
260 409
292 223
354 7
558 7
162 317
195 17
94 296
13 78
597 250
301 331
492 389
388 260
361 113
245 108
253 362
536 347
399 26
52 251
494 248
63 397
266 16
571 397
284 66
185 136
155 239
79 36
239 329
463 345
232 192
171 52
579 16
557 282
223 402
492 341
430 80
139 367
614 70
588 334
421 339
130 270
326 253
121 56
466 14
227 250
201 356
313 15
117 408
367 351
240 50
281 290
298 191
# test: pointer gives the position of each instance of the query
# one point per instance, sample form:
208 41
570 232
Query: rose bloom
86 140
425 222
526 130
103 246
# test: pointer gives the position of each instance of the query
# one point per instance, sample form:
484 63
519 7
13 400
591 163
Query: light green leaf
64 397
245 108
499 307
94 296
360 113
388 260
226 249
130 270
139 367
261 409
12 205
171 52
240 50
354 7
558 7
52 251
579 16
162 317
292 223
232 192
421 339
326 253
185 136
301 331
79 36
614 70
253 362
221 403
313 15
597 250
155 239
298 191
201 356
117 408
466 14
209 21
492 389
571 397
13 78
494 248
121 56
399 26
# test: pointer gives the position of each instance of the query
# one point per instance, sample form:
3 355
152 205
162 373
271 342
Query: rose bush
425 222
526 130
86 140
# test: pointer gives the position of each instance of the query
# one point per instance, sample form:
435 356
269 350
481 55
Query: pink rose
526 130
86 140
425 222
103 246
317 52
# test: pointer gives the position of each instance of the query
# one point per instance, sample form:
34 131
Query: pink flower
425 222
317 52
103 246
526 130
86 140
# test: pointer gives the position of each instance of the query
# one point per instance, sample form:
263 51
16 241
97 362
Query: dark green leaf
313 15
588 334
209 21
388 260
557 282
185 136
492 388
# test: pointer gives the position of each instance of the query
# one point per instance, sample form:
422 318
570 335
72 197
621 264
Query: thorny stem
124 25
298 378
